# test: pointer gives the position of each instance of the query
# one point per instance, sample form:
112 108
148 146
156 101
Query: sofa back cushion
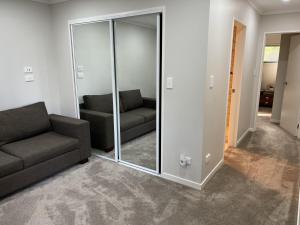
24 122
100 103
131 99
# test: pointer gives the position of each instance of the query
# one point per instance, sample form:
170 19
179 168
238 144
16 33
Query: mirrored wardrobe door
94 83
136 72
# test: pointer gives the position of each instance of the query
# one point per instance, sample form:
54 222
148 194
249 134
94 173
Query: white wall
93 54
281 77
26 41
186 31
222 14
269 75
136 58
281 23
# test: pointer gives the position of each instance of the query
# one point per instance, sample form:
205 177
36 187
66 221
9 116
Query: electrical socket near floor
185 160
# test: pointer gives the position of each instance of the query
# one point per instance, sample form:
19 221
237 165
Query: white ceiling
267 7
264 7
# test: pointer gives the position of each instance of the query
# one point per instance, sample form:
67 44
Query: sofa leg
84 161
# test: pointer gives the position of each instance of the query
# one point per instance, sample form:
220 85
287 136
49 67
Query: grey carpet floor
258 185
140 151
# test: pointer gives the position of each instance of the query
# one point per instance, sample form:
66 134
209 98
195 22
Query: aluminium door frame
159 82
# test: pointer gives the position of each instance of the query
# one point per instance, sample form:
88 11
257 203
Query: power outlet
185 160
28 69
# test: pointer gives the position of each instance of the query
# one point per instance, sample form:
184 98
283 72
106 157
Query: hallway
268 163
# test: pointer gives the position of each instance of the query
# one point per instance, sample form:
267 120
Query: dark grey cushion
9 164
100 103
148 113
41 148
131 99
20 123
129 120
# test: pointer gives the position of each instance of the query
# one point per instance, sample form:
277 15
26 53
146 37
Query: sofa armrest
102 128
149 103
74 128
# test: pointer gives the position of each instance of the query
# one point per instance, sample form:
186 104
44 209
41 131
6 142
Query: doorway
279 83
117 85
234 84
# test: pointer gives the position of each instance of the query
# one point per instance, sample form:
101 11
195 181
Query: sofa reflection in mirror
137 117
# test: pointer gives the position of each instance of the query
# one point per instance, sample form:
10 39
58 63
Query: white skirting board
244 135
212 173
182 181
193 184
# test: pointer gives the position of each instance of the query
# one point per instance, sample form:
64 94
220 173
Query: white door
291 99
237 82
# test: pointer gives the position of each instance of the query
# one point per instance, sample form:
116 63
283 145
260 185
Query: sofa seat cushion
147 113
41 148
129 120
9 164
24 122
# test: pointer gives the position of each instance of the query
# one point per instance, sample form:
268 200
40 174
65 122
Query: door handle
233 90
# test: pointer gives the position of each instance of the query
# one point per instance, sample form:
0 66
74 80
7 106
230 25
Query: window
271 54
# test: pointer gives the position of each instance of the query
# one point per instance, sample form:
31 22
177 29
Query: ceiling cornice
276 12
50 2
271 12
259 10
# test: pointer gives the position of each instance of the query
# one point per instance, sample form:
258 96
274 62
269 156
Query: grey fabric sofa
35 145
137 117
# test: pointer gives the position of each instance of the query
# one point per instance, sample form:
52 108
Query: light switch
28 69
170 83
211 81
29 78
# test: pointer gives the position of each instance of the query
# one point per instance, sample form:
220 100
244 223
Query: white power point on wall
29 77
28 69
185 160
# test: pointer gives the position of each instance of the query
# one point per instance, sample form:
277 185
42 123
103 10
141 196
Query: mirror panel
93 75
136 72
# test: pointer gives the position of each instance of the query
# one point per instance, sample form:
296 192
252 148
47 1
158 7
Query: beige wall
269 75
273 39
